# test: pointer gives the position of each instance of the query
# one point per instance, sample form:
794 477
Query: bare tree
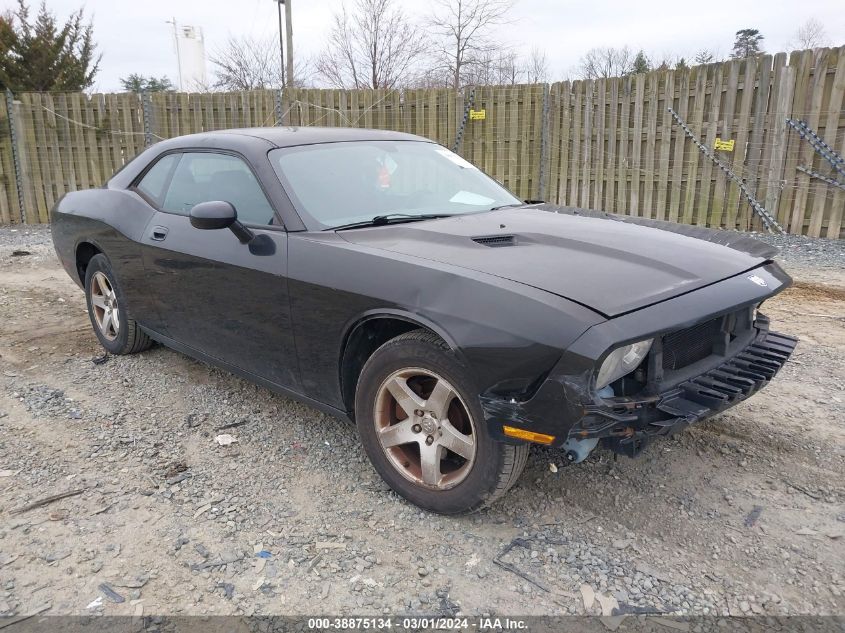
811 34
601 63
246 63
463 28
537 66
484 71
495 68
375 46
506 67
429 77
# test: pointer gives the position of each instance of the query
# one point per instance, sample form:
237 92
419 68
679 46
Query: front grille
685 347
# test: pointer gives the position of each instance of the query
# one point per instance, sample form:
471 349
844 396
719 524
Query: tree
811 34
7 38
705 56
747 44
247 63
681 64
43 56
463 28
375 46
640 64
537 66
506 67
139 83
601 63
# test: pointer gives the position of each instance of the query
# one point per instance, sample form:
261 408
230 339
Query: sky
134 37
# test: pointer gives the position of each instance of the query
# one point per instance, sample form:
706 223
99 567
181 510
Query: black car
380 277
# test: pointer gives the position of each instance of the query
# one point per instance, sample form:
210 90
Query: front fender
506 333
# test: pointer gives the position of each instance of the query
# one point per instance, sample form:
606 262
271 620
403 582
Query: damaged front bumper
740 358
626 425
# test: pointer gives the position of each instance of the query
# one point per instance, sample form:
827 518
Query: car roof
291 136
252 143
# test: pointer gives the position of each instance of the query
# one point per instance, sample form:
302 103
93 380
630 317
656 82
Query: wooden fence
608 144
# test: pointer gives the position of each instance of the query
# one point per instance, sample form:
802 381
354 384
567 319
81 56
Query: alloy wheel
104 305
425 428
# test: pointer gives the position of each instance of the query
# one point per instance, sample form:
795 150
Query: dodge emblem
758 280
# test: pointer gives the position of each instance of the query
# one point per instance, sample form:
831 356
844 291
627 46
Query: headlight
621 362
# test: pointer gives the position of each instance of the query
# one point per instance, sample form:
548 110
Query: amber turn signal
528 436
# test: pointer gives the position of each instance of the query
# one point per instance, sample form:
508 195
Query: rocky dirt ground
742 514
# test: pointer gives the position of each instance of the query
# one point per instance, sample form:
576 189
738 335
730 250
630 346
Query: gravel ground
801 251
25 236
742 514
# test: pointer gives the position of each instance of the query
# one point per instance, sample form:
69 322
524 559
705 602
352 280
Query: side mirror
218 214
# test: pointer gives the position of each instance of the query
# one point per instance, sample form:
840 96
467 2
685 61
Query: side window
155 180
205 176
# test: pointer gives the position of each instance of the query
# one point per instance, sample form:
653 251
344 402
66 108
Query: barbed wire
516 111
96 128
611 156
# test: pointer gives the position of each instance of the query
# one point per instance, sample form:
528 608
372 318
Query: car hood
612 267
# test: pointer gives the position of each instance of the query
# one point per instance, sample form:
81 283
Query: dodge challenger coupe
380 277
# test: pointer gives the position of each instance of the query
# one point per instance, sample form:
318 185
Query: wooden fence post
12 114
278 104
544 145
462 123
146 112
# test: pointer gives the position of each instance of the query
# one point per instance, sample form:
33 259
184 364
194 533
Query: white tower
190 57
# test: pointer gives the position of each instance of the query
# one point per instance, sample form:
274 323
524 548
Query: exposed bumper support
626 425
702 396
726 385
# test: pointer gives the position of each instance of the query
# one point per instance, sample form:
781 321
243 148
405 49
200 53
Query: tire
105 299
414 365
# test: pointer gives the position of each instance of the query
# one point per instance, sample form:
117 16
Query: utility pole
289 37
281 42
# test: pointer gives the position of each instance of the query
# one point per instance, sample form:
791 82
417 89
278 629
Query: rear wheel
422 427
117 332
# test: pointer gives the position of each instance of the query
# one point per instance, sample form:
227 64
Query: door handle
159 233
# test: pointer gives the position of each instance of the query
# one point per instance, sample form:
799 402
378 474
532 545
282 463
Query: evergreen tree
641 64
705 56
747 44
681 64
139 83
42 55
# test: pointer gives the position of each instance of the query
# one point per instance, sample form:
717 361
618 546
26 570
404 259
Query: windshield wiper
507 206
391 218
519 204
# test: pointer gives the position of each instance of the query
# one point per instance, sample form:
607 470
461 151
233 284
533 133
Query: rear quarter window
155 181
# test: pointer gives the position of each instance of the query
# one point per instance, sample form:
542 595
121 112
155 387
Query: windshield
335 184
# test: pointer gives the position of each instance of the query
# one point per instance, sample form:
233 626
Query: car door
217 296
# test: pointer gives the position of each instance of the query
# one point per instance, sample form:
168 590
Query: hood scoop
496 241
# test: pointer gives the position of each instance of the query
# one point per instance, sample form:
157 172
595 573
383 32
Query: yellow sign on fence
477 115
727 146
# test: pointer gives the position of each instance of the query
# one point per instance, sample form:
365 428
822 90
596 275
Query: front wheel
423 429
